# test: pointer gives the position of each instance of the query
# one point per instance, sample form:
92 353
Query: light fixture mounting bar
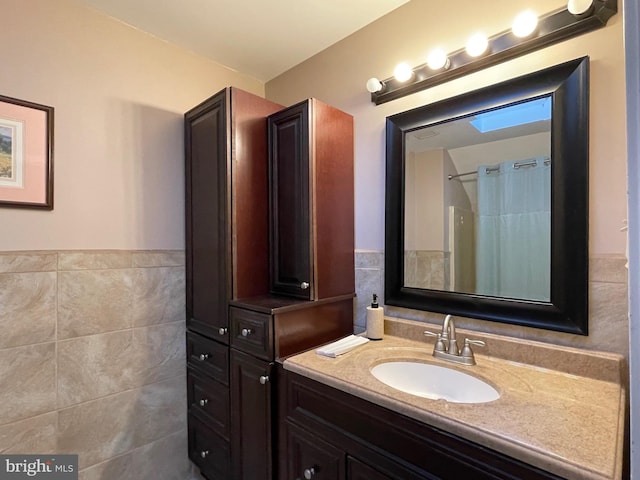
552 28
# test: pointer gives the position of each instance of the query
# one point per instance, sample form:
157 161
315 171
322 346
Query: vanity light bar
552 28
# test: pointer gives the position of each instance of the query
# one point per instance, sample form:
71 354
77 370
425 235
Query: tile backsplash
608 306
92 360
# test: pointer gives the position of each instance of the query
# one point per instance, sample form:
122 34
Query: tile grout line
57 303
56 340
131 389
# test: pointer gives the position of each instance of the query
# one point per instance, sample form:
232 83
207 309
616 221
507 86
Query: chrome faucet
446 346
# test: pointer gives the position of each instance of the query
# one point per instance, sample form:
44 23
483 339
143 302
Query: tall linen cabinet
238 323
226 255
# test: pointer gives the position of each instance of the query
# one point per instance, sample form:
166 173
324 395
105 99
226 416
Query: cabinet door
251 417
310 458
289 203
206 219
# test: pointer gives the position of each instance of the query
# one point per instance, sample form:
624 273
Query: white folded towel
341 346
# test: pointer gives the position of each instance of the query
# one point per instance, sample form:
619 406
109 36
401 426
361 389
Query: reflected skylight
514 115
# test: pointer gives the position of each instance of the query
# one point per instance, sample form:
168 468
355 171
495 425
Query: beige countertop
565 421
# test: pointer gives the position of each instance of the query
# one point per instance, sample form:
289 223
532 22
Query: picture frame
26 154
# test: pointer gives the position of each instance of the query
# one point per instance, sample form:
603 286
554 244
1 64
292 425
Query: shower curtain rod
523 163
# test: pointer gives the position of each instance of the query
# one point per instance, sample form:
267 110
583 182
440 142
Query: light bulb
374 85
403 72
524 24
580 8
477 44
438 59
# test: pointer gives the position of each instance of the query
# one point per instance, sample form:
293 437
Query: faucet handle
466 350
439 346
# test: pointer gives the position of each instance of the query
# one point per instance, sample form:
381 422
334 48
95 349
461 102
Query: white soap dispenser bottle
375 320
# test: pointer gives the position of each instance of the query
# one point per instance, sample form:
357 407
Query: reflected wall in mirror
486 202
478 203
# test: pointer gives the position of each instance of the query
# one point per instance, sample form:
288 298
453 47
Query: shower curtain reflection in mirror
513 252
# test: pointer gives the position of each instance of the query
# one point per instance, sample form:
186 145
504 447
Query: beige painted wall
338 75
425 230
119 96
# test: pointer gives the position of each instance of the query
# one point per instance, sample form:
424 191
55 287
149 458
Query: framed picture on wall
26 154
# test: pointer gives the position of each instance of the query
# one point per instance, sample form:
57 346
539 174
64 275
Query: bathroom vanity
340 422
334 435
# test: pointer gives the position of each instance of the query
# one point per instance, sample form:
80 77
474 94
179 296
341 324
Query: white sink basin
434 382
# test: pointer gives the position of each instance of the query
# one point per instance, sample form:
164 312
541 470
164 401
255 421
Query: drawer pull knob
203 356
246 332
222 331
264 379
309 473
204 453
304 286
203 402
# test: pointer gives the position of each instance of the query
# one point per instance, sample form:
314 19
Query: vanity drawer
252 332
208 357
210 401
209 451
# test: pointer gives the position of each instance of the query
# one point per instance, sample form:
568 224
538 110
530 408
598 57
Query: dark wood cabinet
236 326
290 203
252 393
226 256
311 201
206 221
377 443
262 330
226 175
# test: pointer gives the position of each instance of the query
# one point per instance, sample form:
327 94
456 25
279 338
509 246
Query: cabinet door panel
289 203
251 417
310 458
206 219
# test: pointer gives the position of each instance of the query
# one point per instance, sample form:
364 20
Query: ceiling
256 37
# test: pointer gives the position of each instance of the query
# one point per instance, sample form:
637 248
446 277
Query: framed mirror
487 202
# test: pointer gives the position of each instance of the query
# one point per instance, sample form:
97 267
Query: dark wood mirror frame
567 311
